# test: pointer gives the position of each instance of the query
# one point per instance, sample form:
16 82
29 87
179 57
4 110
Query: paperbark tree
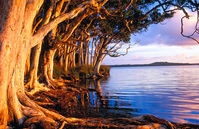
17 37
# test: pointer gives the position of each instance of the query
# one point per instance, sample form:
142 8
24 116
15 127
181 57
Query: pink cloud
169 32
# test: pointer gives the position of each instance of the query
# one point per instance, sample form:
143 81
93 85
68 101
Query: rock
150 119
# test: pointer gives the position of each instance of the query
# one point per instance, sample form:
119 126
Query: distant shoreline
155 64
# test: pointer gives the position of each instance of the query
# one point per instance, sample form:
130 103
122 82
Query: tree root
38 88
35 122
53 85
63 124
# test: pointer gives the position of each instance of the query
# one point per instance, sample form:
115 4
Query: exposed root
27 85
38 88
59 84
31 83
45 104
37 122
54 84
63 80
63 124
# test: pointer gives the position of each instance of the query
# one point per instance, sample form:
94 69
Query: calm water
169 92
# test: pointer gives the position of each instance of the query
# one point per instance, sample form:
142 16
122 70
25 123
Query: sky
162 42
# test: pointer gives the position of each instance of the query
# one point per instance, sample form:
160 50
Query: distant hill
154 64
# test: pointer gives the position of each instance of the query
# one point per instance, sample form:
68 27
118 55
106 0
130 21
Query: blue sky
162 42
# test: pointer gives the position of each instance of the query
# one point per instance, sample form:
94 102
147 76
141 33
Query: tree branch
43 31
131 2
45 20
75 24
187 36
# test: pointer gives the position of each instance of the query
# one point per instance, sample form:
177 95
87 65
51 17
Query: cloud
157 53
168 32
162 42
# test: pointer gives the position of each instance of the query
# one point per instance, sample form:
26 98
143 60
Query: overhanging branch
43 31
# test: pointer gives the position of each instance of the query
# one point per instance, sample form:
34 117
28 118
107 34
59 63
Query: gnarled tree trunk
15 35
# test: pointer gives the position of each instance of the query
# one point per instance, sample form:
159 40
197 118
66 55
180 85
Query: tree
118 20
25 23
17 37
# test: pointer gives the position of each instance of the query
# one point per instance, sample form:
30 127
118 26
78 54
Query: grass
79 72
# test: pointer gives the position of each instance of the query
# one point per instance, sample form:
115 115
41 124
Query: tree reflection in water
95 103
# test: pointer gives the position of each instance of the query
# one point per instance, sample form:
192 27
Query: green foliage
121 23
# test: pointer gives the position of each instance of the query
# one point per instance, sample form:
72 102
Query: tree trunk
80 54
66 58
73 54
14 49
16 40
48 66
27 68
35 55
91 62
97 66
11 81
99 61
86 57
61 61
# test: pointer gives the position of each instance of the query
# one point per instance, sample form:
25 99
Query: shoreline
155 64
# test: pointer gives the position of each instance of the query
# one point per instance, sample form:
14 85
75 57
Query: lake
168 92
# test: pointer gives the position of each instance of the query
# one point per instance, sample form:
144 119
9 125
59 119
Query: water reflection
101 104
170 92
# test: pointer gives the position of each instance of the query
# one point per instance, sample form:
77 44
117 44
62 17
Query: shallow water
169 92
